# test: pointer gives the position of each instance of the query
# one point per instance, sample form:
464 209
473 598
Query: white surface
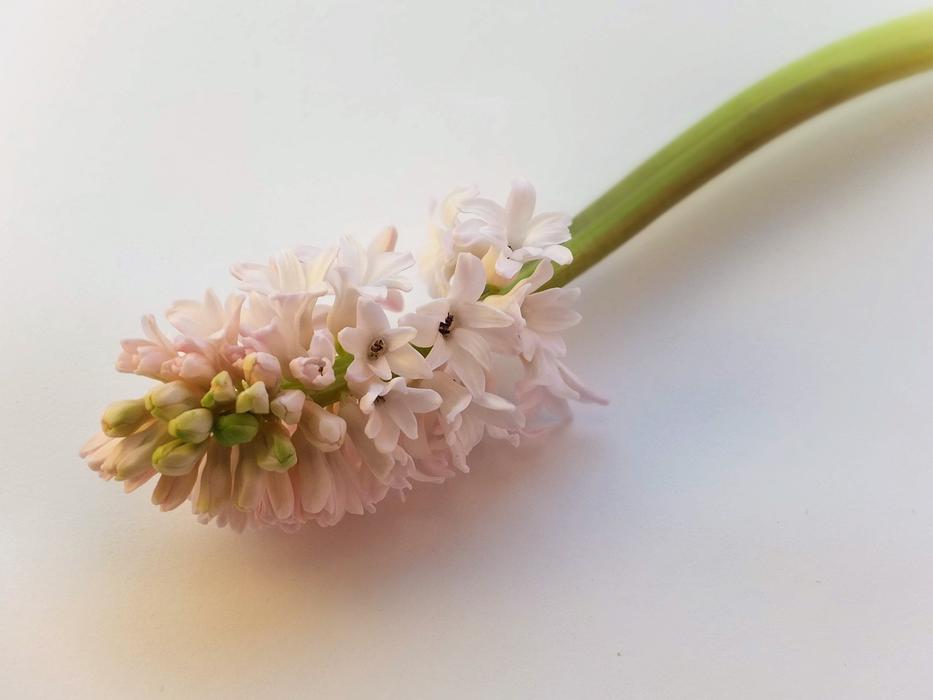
750 518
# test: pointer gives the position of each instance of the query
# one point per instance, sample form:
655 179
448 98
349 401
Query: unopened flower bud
222 390
192 426
168 400
177 457
323 429
196 368
235 428
262 367
312 372
276 453
255 399
287 405
121 418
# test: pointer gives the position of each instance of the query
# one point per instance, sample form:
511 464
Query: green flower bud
177 457
122 418
192 426
235 428
255 399
169 400
222 390
276 453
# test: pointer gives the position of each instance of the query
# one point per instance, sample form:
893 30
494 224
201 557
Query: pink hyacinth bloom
378 349
391 407
456 327
514 232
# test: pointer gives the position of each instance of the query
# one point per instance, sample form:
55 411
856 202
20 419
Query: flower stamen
444 326
376 349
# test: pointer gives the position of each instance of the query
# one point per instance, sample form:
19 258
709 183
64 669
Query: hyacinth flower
308 397
312 394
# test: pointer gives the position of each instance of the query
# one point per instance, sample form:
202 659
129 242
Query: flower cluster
301 400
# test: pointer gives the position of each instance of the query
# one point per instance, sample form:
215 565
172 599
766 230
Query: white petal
469 278
387 438
475 314
487 210
381 368
494 402
454 396
470 372
542 274
425 329
394 301
322 344
396 338
374 424
584 394
440 352
408 362
473 343
548 229
507 266
355 341
359 371
370 315
383 242
403 417
477 236
519 209
559 254
422 400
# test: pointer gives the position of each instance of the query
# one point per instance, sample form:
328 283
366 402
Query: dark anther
444 326
376 348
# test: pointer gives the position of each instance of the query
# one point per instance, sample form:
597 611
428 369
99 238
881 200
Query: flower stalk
793 94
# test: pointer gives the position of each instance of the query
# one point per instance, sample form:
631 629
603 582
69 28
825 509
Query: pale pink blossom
208 342
207 320
545 389
375 273
391 407
148 356
456 327
281 326
540 317
513 232
487 414
315 369
439 258
289 272
378 349
260 418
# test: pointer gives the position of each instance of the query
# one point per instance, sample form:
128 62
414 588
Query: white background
752 517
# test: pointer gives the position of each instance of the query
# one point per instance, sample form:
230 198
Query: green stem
768 108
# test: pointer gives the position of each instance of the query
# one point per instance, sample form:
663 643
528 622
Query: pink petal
469 278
